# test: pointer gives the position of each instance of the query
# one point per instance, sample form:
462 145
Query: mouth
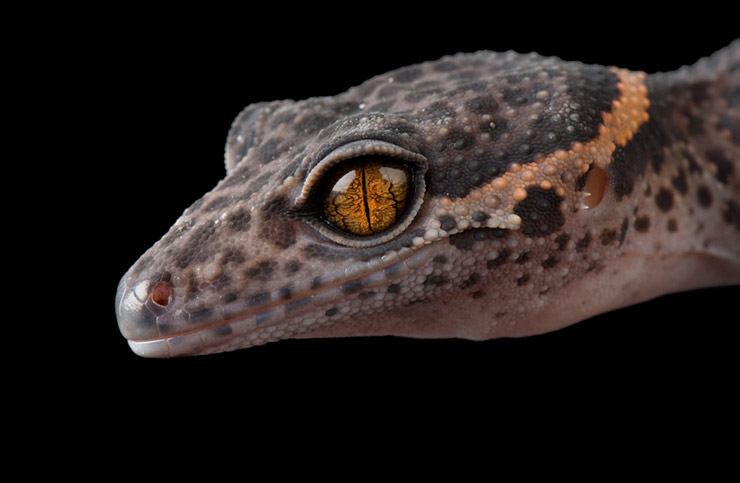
156 324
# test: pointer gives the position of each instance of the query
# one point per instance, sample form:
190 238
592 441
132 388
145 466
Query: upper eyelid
351 150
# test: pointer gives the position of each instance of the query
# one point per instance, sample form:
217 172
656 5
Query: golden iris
366 196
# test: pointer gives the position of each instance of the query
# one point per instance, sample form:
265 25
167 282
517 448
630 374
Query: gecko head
396 197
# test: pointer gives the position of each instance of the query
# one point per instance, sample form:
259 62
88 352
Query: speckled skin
500 237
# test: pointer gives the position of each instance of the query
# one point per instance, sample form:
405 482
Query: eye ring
364 193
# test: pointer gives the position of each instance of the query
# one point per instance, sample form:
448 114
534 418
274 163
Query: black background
161 95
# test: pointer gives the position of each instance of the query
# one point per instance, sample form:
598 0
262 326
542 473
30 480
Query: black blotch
584 242
629 162
608 236
436 280
724 165
292 266
664 199
447 223
725 123
331 312
238 221
562 240
551 261
470 281
482 105
194 250
200 315
704 196
297 304
642 224
731 214
540 212
466 239
351 286
262 271
440 259
394 288
259 299
503 256
694 167
316 283
285 292
480 216
679 182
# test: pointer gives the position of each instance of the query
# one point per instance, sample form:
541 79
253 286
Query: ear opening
595 187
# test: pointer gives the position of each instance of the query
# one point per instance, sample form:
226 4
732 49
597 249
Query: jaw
628 279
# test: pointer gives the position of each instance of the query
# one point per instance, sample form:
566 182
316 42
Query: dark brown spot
550 261
679 182
522 280
503 255
470 281
664 199
351 286
466 239
262 271
523 258
642 224
608 236
704 196
238 221
436 280
447 223
731 214
292 266
672 225
562 240
723 164
584 242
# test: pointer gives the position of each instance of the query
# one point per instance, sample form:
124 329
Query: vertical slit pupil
365 196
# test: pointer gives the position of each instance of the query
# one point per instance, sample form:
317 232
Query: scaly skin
541 192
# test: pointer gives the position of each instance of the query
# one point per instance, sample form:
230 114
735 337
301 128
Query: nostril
161 293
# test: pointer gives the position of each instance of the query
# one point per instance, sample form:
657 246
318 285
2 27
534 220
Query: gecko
479 196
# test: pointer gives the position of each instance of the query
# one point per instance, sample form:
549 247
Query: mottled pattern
505 232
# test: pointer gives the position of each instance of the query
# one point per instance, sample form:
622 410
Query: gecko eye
367 195
364 193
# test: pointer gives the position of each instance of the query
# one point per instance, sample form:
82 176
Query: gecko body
478 196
